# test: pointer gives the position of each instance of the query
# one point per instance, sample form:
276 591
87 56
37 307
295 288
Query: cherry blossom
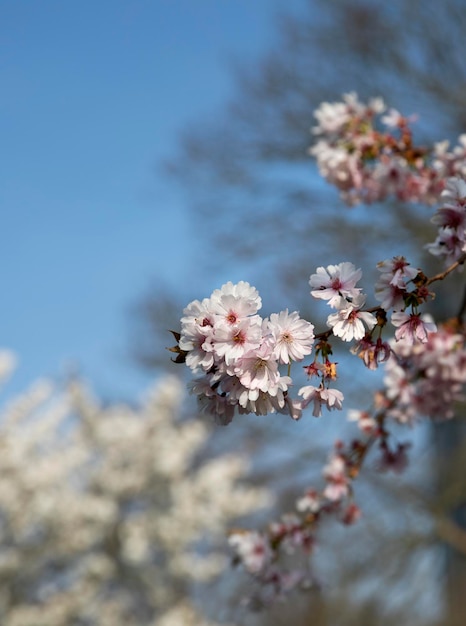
372 353
335 281
398 270
364 419
348 323
253 550
389 295
369 156
258 369
335 473
311 501
293 336
320 396
232 303
411 326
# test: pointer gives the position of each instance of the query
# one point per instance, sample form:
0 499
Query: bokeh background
152 150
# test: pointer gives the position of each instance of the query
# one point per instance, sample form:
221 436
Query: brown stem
450 269
451 533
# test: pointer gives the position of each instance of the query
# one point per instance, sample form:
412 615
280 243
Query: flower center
286 337
239 337
232 317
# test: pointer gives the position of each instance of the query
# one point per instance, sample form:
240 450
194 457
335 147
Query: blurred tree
249 174
248 171
111 516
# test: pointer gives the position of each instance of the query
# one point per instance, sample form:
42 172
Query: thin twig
450 269
453 534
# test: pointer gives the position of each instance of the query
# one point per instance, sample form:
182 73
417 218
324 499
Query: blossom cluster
368 153
392 289
451 220
421 379
426 379
239 352
258 552
337 285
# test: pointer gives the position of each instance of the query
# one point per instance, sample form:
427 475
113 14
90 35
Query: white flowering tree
108 514
245 361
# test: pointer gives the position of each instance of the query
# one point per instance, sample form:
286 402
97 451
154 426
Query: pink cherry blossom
371 353
348 322
390 296
331 398
232 303
364 420
398 269
293 337
258 369
335 281
232 341
426 378
393 118
292 533
455 192
335 473
450 243
253 549
198 314
411 326
311 501
198 342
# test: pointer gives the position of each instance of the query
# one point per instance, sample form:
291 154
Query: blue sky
93 96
